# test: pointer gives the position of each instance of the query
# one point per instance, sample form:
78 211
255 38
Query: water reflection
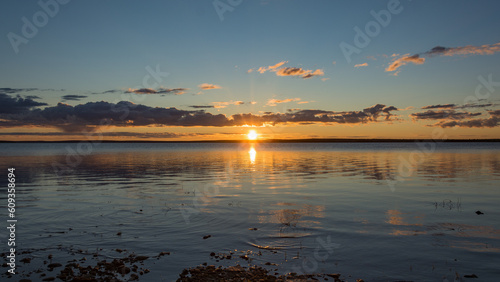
252 153
198 165
274 198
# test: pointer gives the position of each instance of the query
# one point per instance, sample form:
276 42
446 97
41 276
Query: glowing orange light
252 153
252 135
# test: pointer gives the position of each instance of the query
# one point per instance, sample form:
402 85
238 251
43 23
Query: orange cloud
273 102
271 68
289 71
361 65
467 50
487 49
219 105
405 59
208 86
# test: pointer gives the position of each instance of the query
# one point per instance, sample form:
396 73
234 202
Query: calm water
381 212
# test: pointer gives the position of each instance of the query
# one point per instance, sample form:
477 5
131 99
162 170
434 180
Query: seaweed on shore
252 273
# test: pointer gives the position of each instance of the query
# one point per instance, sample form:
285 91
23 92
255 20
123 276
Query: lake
376 211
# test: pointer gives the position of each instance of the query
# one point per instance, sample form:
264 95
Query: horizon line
305 140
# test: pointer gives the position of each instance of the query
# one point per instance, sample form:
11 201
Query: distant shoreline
272 141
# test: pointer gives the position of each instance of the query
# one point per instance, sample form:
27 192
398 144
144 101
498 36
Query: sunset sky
210 70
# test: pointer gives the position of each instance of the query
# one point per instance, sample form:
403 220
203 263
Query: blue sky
95 46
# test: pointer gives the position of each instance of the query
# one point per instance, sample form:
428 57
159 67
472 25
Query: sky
213 70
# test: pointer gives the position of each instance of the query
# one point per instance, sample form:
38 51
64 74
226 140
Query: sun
252 135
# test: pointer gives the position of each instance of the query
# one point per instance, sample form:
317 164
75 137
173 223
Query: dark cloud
444 114
107 134
73 97
202 107
438 50
476 106
32 97
446 106
369 114
11 105
455 106
176 91
112 91
8 90
73 118
451 118
16 90
493 121
293 71
494 113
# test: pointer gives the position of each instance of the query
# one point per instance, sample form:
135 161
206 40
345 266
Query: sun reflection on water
252 153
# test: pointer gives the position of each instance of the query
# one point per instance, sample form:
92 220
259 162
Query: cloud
175 91
218 105
273 67
446 106
32 97
207 86
202 107
126 114
370 114
273 102
112 91
361 65
8 90
449 117
73 97
476 106
11 105
289 71
405 59
466 50
75 118
488 49
455 106
108 134
492 121
443 114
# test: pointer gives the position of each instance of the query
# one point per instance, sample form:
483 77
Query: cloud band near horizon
73 118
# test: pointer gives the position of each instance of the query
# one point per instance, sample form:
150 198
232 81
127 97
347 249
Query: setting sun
252 135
